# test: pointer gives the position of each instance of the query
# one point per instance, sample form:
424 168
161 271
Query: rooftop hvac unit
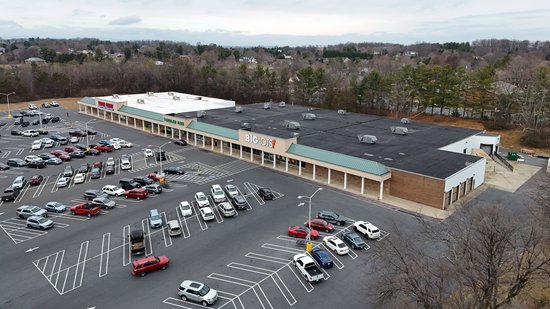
293 125
150 93
282 104
246 126
141 101
399 130
198 98
341 112
238 109
405 120
201 114
176 98
267 105
115 96
170 93
367 139
309 116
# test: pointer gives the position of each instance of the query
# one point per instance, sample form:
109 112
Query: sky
279 22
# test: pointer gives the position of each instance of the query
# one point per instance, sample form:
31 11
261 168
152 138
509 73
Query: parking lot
247 258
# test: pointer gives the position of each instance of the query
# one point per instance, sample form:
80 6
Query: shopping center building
369 155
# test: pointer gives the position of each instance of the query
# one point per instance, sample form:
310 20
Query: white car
74 139
335 244
116 146
366 228
45 140
48 116
186 209
207 214
217 193
148 153
231 190
32 158
36 145
226 209
79 178
116 140
49 144
62 182
32 106
202 200
113 190
110 161
30 133
125 144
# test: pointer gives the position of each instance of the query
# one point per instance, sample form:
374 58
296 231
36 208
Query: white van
174 228
125 162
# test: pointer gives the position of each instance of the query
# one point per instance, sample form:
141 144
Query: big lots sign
105 105
262 141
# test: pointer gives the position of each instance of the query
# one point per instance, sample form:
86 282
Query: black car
45 120
91 132
55 119
160 155
55 137
91 194
153 188
266 194
92 152
25 123
180 142
128 184
36 164
15 132
2 123
4 166
109 169
332 217
353 240
10 194
95 173
45 156
84 167
78 133
77 154
142 180
16 162
81 147
174 170
42 132
239 201
35 122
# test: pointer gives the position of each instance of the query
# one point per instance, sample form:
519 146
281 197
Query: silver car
55 207
196 291
38 222
104 202
28 211
155 220
227 209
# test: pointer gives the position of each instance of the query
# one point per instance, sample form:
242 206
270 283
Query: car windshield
42 220
56 204
35 209
231 188
155 217
201 197
185 206
341 245
204 290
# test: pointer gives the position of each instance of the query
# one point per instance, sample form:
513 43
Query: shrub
536 139
498 124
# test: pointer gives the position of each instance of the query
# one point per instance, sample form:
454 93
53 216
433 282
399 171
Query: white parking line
105 245
282 248
41 187
250 189
183 223
126 254
81 261
197 214
149 248
167 238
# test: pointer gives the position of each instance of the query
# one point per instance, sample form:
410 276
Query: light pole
309 216
8 99
40 117
160 153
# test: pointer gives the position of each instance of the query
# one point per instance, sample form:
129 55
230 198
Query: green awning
213 129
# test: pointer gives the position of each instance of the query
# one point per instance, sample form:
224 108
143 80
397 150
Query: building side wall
473 142
417 188
475 170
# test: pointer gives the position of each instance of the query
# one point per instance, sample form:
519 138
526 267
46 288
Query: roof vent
405 120
367 139
341 112
388 159
115 96
238 109
282 104
399 130
176 98
267 105
201 114
293 125
198 98
246 126
170 93
309 116
141 101
150 93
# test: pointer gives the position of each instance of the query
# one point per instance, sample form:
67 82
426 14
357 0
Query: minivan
128 184
19 182
155 220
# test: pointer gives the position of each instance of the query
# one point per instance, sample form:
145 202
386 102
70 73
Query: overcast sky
278 22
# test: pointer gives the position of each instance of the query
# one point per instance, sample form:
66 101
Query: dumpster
513 156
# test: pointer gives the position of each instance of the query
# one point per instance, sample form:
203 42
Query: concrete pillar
158 130
179 134
262 157
221 146
212 143
314 166
172 132
230 148
241 156
345 181
135 123
203 141
328 176
274 161
111 116
187 136
286 164
299 168
381 195
126 117
362 185
142 124
251 154
195 135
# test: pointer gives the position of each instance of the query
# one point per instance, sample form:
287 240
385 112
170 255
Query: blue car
354 240
322 257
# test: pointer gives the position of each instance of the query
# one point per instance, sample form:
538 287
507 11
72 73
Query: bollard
309 247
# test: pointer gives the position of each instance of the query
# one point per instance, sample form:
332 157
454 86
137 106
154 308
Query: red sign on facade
103 105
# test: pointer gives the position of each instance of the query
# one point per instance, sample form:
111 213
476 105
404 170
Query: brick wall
420 189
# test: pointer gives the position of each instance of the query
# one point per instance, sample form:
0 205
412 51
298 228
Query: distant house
248 59
35 60
2 50
158 62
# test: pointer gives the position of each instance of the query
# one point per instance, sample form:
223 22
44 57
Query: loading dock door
487 148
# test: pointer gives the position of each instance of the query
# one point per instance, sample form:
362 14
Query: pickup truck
10 194
136 241
86 209
307 267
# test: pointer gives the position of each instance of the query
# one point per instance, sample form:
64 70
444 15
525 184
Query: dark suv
91 194
142 180
128 184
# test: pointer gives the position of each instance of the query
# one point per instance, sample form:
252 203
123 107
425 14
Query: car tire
29 226
42 228
294 235
163 267
327 230
21 216
72 212
142 274
183 298
204 303
126 196
89 214
138 198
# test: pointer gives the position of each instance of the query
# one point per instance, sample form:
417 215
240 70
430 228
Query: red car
103 148
138 193
36 180
98 164
154 176
70 149
58 153
320 225
65 157
144 265
301 231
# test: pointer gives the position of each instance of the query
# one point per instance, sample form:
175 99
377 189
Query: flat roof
415 152
169 102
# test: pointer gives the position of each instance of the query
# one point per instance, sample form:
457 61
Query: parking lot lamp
308 245
40 117
8 99
160 153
